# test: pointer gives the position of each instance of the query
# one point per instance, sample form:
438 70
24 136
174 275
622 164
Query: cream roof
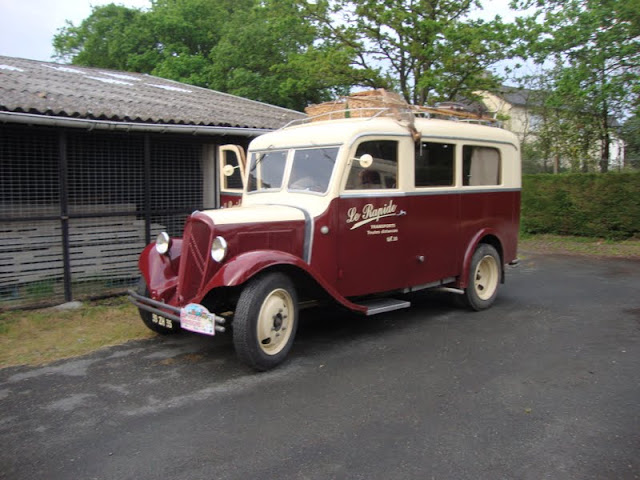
338 132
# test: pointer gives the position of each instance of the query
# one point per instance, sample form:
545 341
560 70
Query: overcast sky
28 26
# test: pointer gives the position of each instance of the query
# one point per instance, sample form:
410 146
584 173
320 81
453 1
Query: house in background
517 106
520 107
95 162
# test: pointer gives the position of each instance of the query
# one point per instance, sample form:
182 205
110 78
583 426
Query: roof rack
416 111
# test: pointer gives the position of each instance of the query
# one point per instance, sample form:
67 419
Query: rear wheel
154 322
484 278
265 321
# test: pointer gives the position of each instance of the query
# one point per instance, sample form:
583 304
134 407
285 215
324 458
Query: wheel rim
486 277
275 321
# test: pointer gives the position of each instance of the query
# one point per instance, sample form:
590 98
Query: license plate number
197 318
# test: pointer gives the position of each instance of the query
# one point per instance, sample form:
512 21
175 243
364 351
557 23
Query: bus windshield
310 172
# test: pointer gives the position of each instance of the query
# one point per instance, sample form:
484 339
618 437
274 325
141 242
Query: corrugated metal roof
46 88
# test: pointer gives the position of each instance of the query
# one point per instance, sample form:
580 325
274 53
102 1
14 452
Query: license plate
197 318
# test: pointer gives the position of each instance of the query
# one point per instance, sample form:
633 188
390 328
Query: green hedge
582 204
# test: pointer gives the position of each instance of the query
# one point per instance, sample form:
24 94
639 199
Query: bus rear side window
480 166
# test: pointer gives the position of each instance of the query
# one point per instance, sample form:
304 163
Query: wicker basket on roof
361 104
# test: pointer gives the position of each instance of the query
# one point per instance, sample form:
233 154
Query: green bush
582 204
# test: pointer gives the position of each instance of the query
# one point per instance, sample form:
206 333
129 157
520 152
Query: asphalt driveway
545 385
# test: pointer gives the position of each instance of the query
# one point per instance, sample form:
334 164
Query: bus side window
434 165
480 166
382 174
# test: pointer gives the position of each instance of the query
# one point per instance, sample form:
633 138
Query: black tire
158 324
485 275
265 321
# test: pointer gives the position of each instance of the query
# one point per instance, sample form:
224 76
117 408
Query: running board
382 305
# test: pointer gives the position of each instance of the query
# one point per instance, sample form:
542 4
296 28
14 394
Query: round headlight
219 249
163 243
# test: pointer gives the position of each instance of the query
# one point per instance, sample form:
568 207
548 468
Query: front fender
242 267
160 272
246 265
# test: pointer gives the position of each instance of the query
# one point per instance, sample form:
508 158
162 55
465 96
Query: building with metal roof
95 162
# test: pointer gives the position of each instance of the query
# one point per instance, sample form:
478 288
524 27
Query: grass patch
593 247
36 337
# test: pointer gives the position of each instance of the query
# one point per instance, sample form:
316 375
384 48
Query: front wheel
265 321
484 278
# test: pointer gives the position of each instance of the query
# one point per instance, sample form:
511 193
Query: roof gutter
88 124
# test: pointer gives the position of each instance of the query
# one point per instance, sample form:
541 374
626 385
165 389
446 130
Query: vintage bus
355 211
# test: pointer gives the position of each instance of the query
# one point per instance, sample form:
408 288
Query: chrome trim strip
452 191
372 194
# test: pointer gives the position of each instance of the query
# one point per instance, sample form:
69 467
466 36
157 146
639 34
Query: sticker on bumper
197 318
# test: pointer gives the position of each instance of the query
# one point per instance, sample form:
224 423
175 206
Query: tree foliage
292 53
595 48
560 137
630 133
428 50
269 53
264 50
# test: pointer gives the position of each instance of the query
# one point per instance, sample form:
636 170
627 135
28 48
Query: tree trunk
606 148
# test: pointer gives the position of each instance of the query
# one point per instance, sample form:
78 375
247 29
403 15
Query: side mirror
366 160
228 170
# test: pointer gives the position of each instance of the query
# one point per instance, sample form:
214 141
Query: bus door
372 219
435 209
231 167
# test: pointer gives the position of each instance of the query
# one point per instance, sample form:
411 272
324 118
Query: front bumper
164 310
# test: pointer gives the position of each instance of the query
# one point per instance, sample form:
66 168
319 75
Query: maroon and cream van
355 211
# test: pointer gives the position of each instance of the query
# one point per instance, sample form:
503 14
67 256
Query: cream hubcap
486 277
275 321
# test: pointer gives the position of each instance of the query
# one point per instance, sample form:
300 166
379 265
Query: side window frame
388 181
468 168
453 148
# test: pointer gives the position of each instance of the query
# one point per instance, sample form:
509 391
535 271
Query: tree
429 50
558 138
263 50
269 53
595 47
630 133
106 39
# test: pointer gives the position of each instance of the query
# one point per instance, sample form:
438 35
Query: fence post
147 189
63 164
